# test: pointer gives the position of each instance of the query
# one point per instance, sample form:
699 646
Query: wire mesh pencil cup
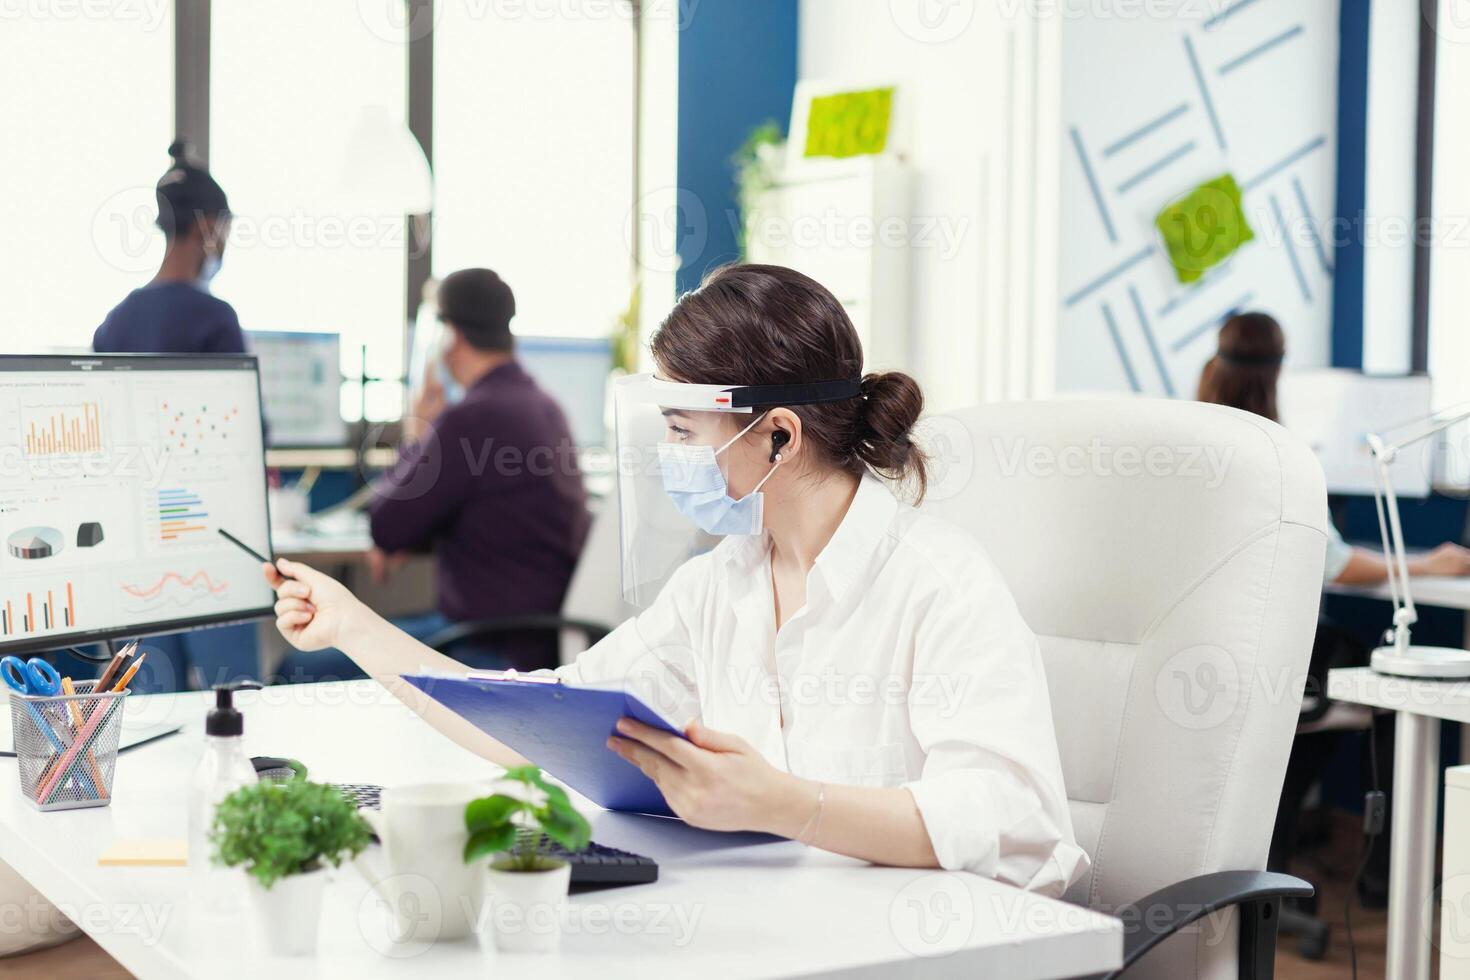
67 746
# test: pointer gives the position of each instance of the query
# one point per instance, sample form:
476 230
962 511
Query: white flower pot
287 913
524 908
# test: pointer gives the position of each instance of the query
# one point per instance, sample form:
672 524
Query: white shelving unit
847 224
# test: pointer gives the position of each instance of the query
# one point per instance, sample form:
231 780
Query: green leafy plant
518 826
275 829
756 162
625 343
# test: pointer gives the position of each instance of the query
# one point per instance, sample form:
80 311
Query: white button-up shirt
909 665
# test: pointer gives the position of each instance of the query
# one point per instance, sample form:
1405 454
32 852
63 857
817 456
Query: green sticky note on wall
849 124
1204 227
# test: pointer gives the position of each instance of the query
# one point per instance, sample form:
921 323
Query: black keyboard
599 866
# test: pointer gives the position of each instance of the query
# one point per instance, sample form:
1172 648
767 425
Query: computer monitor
115 473
301 384
1334 409
574 371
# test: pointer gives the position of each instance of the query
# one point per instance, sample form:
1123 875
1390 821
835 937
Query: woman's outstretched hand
312 609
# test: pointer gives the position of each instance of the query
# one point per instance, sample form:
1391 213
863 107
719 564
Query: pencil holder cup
67 746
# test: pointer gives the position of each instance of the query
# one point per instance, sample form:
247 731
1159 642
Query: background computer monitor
301 383
1333 409
115 473
574 371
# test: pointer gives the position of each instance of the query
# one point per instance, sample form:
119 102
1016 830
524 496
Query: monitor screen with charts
116 473
301 387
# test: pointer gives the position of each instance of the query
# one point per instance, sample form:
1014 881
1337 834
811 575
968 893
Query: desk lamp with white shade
1397 655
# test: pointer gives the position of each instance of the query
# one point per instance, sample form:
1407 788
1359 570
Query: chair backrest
595 593
1169 556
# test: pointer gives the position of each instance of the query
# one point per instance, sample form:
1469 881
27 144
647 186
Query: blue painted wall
737 69
1352 145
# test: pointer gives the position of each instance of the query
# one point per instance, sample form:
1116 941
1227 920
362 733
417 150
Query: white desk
340 545
1428 590
1420 706
330 458
723 906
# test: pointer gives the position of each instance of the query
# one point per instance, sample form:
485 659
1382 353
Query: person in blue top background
175 313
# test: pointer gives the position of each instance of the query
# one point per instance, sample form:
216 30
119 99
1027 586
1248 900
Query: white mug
421 874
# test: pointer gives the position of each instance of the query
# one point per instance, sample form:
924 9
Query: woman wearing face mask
859 674
175 313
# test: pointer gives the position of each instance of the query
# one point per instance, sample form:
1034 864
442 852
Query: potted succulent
526 885
286 835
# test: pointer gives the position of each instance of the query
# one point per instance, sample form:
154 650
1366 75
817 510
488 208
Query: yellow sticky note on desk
146 854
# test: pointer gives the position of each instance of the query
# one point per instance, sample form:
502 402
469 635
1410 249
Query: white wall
1274 128
995 90
965 71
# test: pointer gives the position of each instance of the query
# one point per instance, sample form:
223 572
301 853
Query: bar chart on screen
61 430
38 610
179 514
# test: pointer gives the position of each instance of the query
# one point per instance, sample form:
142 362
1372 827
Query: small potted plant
286 835
527 886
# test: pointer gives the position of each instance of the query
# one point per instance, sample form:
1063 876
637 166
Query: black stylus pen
250 551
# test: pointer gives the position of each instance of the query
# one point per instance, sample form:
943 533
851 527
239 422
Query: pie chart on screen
34 542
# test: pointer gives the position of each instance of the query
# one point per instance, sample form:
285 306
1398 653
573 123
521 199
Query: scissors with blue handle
34 677
37 678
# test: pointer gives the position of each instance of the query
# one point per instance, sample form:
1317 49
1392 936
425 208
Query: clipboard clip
511 674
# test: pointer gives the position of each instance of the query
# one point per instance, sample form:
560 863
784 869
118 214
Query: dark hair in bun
187 193
766 324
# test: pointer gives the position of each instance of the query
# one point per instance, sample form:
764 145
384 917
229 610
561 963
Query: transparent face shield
674 457
666 431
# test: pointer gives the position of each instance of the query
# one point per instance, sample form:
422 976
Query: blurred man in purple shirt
487 480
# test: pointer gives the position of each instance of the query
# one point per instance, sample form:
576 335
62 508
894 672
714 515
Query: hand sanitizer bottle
223 768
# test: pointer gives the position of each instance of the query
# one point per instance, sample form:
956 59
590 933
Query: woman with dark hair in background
1243 374
858 674
175 313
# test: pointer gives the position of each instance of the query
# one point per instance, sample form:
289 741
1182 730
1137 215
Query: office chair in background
1169 557
593 606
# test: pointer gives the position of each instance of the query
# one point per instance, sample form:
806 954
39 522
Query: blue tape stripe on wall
1347 249
737 69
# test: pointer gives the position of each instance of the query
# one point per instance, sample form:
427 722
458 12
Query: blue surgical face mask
696 484
453 391
209 269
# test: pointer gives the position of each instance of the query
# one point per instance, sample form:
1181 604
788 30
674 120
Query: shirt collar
845 557
863 528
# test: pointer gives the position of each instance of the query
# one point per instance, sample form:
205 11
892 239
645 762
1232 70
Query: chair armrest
530 622
1165 912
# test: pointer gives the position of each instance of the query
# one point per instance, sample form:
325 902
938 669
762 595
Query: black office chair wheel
1312 934
1313 946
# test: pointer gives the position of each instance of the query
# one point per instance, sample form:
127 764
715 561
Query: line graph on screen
173 588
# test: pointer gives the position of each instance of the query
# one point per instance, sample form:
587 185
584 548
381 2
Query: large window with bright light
534 156
85 125
1449 265
294 88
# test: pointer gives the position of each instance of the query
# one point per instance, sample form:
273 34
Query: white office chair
1169 555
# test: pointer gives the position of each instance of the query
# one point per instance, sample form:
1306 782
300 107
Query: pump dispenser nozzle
225 720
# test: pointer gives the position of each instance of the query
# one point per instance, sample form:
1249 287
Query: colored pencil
77 721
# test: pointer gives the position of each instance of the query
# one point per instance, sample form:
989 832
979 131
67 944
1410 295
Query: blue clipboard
560 728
